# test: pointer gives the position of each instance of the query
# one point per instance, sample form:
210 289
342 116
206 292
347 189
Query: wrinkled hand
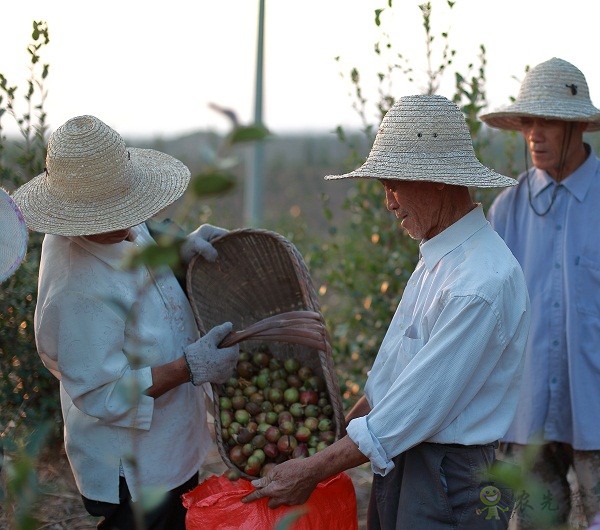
207 362
198 242
289 483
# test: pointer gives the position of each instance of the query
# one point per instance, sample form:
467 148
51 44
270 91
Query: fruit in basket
273 410
286 444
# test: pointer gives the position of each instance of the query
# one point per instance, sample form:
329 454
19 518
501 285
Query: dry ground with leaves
60 507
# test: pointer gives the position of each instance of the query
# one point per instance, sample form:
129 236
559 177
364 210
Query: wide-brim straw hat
93 183
425 137
13 236
554 90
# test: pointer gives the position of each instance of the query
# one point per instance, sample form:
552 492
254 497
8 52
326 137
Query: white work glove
207 362
198 242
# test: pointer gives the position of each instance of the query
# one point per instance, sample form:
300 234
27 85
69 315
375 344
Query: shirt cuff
368 445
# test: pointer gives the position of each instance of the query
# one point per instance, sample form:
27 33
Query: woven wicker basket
258 274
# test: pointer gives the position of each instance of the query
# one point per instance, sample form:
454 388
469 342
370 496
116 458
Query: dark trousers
168 515
440 487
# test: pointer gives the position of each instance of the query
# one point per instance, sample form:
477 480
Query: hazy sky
150 70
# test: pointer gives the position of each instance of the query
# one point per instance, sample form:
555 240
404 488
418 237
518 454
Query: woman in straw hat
443 387
123 343
548 221
13 236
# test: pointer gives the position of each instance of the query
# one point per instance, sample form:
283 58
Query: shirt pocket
588 286
409 347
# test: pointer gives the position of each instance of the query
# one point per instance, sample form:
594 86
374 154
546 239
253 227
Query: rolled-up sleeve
368 445
86 336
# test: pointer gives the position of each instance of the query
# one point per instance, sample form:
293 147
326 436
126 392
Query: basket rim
308 294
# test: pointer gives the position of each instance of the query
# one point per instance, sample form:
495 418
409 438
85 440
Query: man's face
109 238
545 140
417 204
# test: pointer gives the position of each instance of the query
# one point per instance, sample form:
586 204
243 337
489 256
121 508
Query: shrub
28 392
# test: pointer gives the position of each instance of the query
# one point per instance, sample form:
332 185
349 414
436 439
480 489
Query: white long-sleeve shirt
100 329
449 367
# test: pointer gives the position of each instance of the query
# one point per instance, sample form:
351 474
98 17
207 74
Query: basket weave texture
259 274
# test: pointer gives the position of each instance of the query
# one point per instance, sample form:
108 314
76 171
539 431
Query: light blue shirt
560 256
449 367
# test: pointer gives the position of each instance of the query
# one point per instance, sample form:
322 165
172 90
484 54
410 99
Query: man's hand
289 483
207 362
198 242
293 481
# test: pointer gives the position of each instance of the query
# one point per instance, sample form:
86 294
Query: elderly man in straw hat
443 387
123 343
548 221
13 236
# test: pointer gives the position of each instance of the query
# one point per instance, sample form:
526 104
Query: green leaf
151 497
250 133
155 256
212 182
289 518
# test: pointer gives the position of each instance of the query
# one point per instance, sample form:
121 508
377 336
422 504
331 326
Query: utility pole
253 196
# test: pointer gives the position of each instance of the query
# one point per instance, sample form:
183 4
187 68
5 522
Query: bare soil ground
60 507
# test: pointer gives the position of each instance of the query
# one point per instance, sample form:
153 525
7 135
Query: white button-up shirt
100 329
449 367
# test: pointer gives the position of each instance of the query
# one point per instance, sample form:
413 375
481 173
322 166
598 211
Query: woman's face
109 238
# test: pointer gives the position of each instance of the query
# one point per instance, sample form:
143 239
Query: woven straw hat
425 137
94 184
13 236
554 89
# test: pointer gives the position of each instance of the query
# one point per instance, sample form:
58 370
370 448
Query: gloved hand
207 362
198 242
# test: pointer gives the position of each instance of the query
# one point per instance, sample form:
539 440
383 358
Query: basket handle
298 327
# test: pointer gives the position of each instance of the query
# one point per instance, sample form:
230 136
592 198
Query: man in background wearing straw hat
549 221
123 343
444 385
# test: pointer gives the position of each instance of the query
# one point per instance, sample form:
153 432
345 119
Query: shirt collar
434 249
577 183
113 255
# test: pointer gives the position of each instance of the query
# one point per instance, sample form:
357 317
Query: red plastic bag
216 504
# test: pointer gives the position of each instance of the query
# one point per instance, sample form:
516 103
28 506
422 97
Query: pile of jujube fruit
273 410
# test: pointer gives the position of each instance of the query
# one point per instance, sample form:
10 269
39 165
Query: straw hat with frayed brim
554 90
13 236
93 183
425 137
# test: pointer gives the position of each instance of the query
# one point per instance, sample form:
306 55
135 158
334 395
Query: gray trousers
440 487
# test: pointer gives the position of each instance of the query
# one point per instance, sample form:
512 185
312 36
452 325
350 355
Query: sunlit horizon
153 72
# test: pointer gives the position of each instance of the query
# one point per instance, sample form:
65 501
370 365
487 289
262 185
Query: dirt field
61 507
